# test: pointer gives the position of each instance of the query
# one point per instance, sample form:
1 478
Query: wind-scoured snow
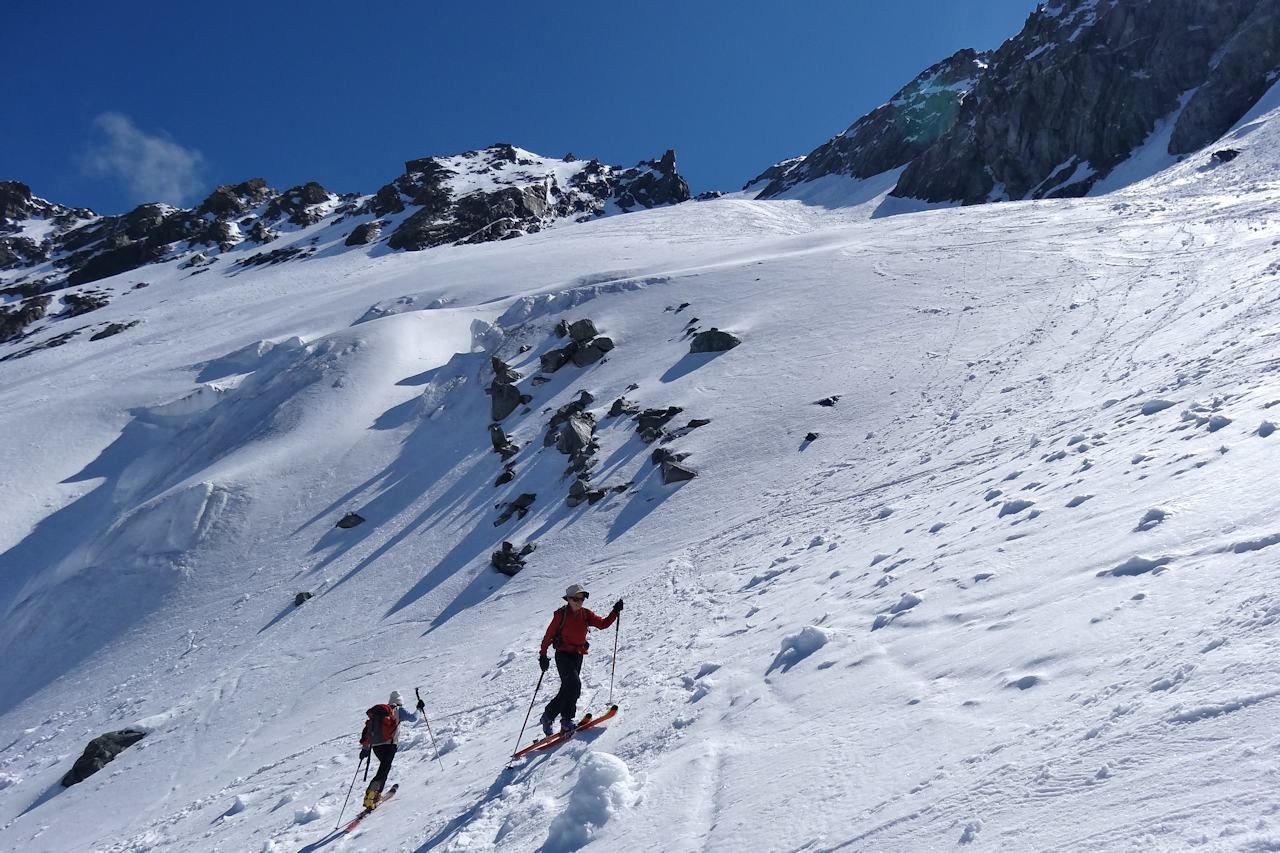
1060 636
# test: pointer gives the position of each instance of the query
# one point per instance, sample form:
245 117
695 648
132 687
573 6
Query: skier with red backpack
567 632
381 736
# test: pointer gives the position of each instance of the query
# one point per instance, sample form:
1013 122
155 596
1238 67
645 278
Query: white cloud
154 168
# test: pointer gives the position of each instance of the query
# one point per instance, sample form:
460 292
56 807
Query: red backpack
381 727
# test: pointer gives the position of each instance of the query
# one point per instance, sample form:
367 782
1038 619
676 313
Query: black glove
544 662
364 753
617 606
422 706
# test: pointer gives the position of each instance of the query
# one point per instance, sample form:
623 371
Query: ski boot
372 797
546 725
567 725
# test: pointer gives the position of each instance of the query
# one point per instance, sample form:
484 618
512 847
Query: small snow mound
8 780
1015 506
1137 566
796 647
908 601
1265 429
604 788
1077 500
1151 518
308 815
1152 406
238 805
971 830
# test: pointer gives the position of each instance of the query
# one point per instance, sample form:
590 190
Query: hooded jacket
572 629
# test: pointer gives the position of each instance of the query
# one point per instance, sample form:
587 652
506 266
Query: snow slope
1016 595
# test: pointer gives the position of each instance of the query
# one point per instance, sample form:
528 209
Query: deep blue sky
344 92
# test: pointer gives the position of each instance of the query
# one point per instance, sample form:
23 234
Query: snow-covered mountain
951 529
492 194
1087 88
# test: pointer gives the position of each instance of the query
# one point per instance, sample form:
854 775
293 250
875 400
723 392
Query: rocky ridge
497 193
1059 106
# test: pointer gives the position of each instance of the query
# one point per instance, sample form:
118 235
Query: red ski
391 792
555 740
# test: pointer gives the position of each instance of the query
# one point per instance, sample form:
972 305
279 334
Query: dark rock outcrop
302 598
1060 105
510 560
364 233
113 329
713 340
890 135
14 321
351 519
100 752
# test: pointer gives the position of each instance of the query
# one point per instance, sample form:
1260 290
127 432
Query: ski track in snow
1014 596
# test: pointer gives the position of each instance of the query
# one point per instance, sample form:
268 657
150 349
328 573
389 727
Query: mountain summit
1059 107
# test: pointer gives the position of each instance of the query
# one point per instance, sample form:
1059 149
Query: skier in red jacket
568 633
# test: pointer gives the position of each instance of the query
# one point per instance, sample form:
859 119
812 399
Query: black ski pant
565 703
385 752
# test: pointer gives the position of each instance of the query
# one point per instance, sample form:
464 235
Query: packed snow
1017 592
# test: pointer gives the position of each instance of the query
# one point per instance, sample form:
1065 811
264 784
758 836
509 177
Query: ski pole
433 734
617 629
520 737
349 790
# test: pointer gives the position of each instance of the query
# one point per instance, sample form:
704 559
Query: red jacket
572 629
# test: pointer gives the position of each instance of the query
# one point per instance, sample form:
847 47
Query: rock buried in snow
811 436
350 520
100 752
1137 566
1225 155
1151 407
828 401
674 472
713 340
302 598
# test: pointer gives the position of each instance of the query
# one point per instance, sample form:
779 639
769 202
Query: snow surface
837 644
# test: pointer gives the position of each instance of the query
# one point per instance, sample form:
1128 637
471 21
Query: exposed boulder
587 354
510 560
502 371
649 423
575 434
233 199
674 472
623 406
16 201
582 330
501 443
385 202
302 598
100 752
364 234
553 360
351 519
14 321
713 340
518 507
296 204
112 329
1225 155
505 398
